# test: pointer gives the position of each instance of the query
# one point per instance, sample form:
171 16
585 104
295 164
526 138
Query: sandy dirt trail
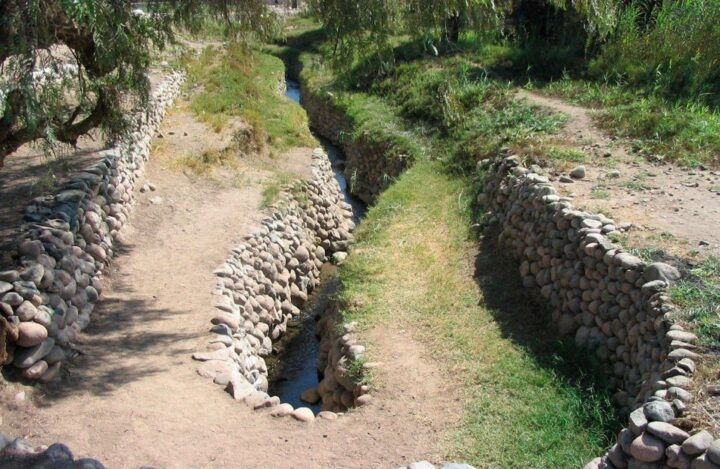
133 397
659 199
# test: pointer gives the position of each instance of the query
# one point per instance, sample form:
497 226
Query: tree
354 26
69 66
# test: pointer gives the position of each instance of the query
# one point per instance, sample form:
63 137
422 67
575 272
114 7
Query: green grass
661 125
274 187
528 405
206 161
566 155
687 133
371 118
472 114
635 186
238 82
698 296
600 192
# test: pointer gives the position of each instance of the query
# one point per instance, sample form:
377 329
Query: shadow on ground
26 177
109 352
526 322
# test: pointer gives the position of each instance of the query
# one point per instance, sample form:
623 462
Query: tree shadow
525 321
27 176
109 353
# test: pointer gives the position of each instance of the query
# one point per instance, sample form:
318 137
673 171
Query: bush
676 55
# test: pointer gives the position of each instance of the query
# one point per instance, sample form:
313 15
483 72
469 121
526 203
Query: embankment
613 303
265 281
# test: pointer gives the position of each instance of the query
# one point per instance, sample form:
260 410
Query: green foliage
677 56
474 115
684 132
274 187
240 82
371 118
565 155
71 66
698 296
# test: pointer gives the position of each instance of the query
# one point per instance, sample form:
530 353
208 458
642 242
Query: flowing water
293 368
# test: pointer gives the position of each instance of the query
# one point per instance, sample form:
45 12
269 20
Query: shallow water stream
293 368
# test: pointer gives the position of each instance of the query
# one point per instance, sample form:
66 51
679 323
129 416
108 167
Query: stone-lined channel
294 365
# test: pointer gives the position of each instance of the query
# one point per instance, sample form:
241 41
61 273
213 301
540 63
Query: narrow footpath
681 205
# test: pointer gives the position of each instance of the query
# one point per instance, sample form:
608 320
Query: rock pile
261 286
20 454
611 301
67 241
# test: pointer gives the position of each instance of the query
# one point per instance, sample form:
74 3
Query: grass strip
529 405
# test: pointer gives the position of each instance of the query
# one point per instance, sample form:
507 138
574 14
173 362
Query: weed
275 186
566 155
648 254
698 296
635 186
357 372
599 192
206 161
686 133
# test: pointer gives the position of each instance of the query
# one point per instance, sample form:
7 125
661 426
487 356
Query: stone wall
370 168
613 303
66 242
267 278
339 389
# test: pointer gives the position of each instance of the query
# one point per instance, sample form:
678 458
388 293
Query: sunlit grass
698 296
238 82
528 406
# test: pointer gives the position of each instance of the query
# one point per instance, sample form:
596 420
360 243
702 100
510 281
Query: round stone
578 172
31 334
227 319
303 414
365 399
12 298
647 448
36 371
282 410
703 462
667 432
661 271
713 452
659 411
327 415
698 443
26 311
302 254
311 396
421 465
27 357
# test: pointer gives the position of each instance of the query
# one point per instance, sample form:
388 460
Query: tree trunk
454 28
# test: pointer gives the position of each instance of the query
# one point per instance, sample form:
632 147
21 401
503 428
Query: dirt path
133 398
678 205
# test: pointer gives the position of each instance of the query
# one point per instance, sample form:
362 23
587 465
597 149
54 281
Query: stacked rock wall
66 242
369 167
612 302
339 348
261 286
